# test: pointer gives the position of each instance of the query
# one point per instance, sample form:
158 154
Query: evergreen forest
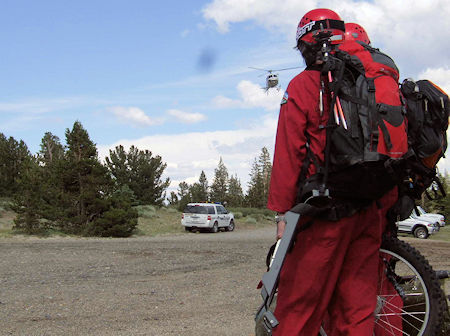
67 188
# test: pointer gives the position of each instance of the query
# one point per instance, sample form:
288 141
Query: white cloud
251 96
269 13
185 117
188 154
413 32
134 116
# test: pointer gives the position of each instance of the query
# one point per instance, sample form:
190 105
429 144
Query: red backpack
366 131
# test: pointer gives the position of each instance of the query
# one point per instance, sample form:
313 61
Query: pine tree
4 181
51 158
255 192
203 182
184 195
117 163
220 183
258 189
235 195
183 189
37 202
13 154
28 202
118 219
199 191
85 181
195 193
173 199
51 149
265 167
141 172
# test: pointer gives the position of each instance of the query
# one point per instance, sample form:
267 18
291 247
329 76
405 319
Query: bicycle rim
403 306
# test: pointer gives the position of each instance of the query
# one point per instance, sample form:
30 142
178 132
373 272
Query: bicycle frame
270 278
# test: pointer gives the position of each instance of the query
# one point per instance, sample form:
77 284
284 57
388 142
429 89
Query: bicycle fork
270 278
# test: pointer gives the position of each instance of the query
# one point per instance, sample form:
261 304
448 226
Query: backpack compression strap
375 118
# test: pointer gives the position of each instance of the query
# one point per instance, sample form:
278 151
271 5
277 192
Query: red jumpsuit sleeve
290 150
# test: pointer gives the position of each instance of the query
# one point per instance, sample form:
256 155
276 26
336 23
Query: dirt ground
183 284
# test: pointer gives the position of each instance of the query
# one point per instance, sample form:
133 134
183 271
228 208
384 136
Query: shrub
250 220
146 211
259 217
118 219
114 222
253 211
238 214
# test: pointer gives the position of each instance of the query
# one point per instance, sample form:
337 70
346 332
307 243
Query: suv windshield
196 209
421 211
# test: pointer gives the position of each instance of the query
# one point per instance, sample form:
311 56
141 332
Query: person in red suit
333 266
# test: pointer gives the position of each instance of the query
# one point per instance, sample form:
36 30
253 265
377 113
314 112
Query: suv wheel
215 227
421 232
230 227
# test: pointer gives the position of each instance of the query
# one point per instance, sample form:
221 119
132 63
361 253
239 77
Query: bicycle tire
418 298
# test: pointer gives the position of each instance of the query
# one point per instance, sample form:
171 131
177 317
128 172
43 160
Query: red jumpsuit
333 266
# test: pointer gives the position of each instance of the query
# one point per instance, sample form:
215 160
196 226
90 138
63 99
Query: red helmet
355 32
322 19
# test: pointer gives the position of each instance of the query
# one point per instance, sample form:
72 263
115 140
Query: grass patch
443 234
168 220
255 212
6 233
6 218
6 222
146 211
5 204
162 221
152 221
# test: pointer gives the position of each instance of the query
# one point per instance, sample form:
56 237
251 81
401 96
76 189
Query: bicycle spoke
401 313
391 331
404 309
407 306
389 324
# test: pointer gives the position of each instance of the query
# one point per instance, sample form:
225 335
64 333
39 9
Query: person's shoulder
304 78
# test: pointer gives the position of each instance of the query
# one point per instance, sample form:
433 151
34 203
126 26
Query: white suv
210 216
418 227
431 217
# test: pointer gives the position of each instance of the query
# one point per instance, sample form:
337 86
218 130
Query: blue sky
173 76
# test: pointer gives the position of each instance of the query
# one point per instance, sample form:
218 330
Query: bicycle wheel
410 298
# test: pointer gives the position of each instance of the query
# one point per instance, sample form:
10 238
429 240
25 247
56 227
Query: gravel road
184 284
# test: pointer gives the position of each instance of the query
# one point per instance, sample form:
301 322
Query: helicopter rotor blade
259 69
287 69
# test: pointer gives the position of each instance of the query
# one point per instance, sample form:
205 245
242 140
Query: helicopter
272 78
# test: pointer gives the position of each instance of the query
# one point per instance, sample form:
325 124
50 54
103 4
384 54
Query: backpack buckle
371 85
